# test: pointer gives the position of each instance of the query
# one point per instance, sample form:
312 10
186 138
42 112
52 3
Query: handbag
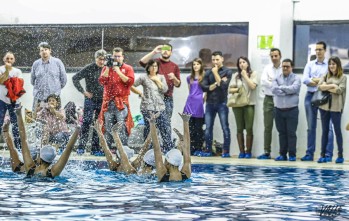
239 99
321 97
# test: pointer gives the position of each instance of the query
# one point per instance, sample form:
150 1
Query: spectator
312 74
8 73
170 71
215 83
286 87
154 88
117 79
55 129
48 76
93 101
334 82
195 106
244 116
269 74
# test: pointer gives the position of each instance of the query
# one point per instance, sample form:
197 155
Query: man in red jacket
117 79
7 71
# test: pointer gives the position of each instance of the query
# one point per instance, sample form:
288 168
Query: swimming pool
219 192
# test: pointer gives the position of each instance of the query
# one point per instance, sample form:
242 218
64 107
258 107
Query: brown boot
249 141
241 142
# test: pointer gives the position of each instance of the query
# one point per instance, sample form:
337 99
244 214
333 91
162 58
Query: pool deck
231 161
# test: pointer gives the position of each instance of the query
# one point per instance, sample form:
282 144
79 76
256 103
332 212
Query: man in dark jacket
93 101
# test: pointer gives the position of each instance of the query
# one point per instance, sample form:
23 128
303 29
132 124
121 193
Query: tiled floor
232 161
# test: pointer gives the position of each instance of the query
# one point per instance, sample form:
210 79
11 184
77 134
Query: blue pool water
89 191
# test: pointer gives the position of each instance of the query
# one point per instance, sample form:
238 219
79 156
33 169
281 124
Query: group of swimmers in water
39 161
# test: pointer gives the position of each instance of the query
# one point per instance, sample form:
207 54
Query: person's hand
118 127
185 117
180 136
347 127
8 66
18 110
153 117
116 68
51 108
244 73
224 78
98 127
157 49
215 69
171 76
155 78
88 94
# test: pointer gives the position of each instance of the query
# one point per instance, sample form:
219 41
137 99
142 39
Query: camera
110 61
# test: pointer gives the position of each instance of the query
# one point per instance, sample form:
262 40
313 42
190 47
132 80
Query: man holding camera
117 79
93 101
170 71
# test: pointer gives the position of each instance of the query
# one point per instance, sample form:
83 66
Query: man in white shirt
7 71
269 73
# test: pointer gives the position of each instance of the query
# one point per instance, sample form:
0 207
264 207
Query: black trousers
196 133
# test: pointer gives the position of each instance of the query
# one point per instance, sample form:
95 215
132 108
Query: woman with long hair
334 82
195 106
244 116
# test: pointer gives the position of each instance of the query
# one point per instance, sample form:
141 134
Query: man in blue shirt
312 74
285 89
48 75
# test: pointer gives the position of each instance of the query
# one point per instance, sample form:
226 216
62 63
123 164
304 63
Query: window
75 44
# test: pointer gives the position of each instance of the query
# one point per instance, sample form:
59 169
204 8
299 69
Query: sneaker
80 151
97 153
248 155
340 160
264 156
59 151
225 155
205 154
293 158
307 158
196 152
281 158
328 159
241 155
322 160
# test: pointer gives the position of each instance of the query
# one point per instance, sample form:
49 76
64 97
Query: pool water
89 191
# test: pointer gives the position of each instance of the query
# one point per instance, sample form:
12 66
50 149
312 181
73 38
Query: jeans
268 113
60 138
90 108
326 117
13 119
286 123
210 115
111 117
163 125
169 107
311 115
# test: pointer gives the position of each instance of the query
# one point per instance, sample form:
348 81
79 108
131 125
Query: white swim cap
48 153
149 157
174 157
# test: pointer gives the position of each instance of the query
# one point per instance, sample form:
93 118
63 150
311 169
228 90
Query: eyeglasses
319 49
286 66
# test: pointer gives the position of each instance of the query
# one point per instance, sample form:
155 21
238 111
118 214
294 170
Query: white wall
268 17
